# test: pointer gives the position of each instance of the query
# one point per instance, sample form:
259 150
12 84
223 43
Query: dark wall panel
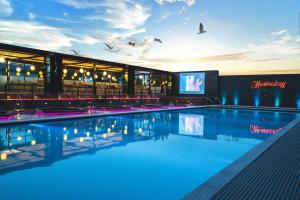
260 90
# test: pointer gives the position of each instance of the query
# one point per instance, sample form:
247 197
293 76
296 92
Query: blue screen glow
192 83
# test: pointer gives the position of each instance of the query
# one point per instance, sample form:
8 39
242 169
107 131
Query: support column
130 86
94 80
53 75
7 71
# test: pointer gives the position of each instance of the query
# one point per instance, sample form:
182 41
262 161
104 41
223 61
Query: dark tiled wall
236 90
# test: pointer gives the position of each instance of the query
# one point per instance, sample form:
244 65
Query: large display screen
192 125
192 83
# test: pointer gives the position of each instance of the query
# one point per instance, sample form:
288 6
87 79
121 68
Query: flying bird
75 52
201 29
109 46
131 44
157 40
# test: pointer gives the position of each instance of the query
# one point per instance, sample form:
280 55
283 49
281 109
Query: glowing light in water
3 156
75 130
87 134
65 137
33 142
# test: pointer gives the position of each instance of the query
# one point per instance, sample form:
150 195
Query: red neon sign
255 129
270 84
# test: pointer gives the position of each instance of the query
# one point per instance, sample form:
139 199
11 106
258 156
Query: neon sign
255 129
268 84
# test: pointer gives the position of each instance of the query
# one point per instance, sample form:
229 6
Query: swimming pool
156 155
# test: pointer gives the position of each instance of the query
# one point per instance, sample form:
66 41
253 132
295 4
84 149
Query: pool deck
269 171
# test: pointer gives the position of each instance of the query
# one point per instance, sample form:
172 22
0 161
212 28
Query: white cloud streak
5 8
187 2
33 34
121 14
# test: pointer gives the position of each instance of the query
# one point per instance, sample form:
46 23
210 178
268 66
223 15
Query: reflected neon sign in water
256 129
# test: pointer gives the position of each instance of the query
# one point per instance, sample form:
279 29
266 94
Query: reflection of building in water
36 145
41 145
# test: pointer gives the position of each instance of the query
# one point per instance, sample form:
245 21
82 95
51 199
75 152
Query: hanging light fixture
96 76
81 70
18 69
65 71
75 74
104 73
88 73
32 67
109 76
2 59
28 73
40 73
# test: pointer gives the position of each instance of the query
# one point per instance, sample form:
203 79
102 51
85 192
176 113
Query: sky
243 36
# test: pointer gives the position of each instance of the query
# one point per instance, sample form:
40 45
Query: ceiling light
2 59
32 67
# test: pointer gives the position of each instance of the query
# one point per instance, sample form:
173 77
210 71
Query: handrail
216 98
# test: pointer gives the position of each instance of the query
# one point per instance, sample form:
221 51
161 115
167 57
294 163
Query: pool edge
48 119
209 188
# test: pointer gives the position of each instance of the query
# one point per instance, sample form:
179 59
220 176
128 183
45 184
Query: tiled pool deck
269 171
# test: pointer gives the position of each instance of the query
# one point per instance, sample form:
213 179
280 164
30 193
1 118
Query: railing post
78 92
6 90
32 92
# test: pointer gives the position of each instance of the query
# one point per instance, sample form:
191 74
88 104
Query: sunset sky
243 36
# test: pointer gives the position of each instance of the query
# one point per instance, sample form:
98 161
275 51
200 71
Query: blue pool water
158 155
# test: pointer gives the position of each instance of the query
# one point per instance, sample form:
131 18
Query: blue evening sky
243 36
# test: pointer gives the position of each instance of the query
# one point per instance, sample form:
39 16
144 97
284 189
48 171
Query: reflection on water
27 146
155 156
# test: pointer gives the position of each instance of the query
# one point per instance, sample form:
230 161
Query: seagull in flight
157 40
131 44
109 46
75 52
201 29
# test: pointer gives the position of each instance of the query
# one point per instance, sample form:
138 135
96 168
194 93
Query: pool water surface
156 155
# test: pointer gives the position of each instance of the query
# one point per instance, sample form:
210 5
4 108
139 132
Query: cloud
81 4
164 16
33 34
123 14
216 58
188 2
203 14
65 14
280 45
31 16
5 8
